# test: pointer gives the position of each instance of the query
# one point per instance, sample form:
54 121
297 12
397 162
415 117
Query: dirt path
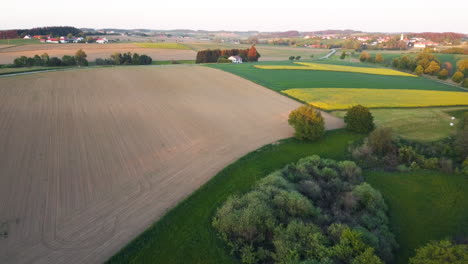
91 158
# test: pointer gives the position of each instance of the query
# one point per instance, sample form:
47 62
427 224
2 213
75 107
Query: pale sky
302 15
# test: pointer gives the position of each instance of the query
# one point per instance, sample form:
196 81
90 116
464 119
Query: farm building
27 37
53 40
235 59
101 40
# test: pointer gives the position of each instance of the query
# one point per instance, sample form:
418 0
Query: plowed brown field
7 55
90 158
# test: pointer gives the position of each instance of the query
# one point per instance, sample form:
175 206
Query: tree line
79 59
125 59
212 56
54 31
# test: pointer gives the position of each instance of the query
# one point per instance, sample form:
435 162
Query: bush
465 166
291 58
443 74
465 83
364 56
446 165
308 123
457 77
68 60
381 141
145 60
314 211
359 119
224 60
438 252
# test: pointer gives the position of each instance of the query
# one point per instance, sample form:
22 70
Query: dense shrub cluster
382 150
308 123
316 211
212 56
441 252
359 119
44 60
125 59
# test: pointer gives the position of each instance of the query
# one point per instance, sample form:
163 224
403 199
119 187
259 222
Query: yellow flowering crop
340 68
162 45
343 98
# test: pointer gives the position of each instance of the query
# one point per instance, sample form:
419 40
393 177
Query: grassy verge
173 62
185 234
424 206
421 124
162 45
6 71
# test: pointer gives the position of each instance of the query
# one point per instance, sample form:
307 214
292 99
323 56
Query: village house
235 59
101 40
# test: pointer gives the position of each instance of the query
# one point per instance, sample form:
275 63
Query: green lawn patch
185 233
421 124
279 80
424 206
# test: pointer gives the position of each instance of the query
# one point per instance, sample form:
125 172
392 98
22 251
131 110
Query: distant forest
54 31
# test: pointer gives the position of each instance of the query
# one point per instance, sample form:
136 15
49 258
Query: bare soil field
7 55
90 158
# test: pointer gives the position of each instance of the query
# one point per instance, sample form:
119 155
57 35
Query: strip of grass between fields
185 233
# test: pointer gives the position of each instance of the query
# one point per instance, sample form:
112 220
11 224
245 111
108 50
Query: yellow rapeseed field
161 45
343 98
341 68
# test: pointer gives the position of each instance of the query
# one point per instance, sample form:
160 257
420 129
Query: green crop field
421 124
162 45
279 80
185 234
18 41
424 206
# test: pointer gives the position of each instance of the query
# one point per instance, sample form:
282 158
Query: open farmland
344 98
90 158
267 52
279 80
7 55
161 45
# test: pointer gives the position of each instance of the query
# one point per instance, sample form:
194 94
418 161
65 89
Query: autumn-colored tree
80 58
365 56
419 70
462 66
433 68
308 123
447 65
253 55
379 58
443 74
458 77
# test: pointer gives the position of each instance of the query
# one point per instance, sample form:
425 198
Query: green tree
343 55
298 57
379 58
433 68
359 119
419 70
441 252
465 83
80 58
308 123
291 58
458 77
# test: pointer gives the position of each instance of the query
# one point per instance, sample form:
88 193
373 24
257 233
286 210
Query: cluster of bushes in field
367 57
291 58
79 59
315 211
383 150
427 63
125 59
212 56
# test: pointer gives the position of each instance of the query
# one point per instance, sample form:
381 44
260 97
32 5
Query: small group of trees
79 59
382 149
211 56
315 211
125 59
291 58
367 57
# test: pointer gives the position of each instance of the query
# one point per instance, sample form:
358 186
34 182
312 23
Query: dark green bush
359 119
316 211
224 60
438 252
308 123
